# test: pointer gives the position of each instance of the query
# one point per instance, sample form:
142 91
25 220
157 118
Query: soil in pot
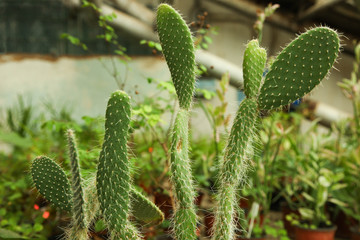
315 234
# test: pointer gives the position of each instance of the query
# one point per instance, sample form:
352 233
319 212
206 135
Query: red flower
150 149
46 214
36 207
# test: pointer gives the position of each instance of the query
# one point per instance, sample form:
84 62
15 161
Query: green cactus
296 71
79 226
253 68
113 176
300 67
51 181
185 215
144 210
178 48
233 167
111 191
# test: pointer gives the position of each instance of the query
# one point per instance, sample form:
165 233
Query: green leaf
7 234
204 45
306 213
158 47
324 182
208 39
308 197
38 227
338 202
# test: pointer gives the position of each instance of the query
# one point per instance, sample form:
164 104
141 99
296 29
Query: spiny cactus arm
144 210
113 176
300 67
233 168
79 227
185 215
178 48
253 68
51 181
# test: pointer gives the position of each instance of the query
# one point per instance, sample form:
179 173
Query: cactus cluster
301 66
296 71
112 189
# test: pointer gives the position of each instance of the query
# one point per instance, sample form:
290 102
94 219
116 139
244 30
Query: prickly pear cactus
178 48
234 167
79 227
296 71
113 175
253 68
144 210
51 181
184 215
300 67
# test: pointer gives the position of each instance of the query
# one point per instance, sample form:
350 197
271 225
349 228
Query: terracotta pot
355 234
286 210
343 223
315 234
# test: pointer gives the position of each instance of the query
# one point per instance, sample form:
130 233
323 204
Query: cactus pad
253 68
144 210
51 181
178 49
113 175
299 67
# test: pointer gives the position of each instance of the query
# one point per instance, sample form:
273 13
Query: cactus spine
178 48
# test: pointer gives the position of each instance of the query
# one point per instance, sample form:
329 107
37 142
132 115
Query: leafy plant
348 147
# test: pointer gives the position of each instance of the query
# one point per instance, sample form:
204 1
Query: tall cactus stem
233 168
79 221
185 215
113 175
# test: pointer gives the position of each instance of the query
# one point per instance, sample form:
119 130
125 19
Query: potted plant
348 149
319 179
254 227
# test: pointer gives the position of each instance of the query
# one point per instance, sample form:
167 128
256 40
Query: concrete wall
84 83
